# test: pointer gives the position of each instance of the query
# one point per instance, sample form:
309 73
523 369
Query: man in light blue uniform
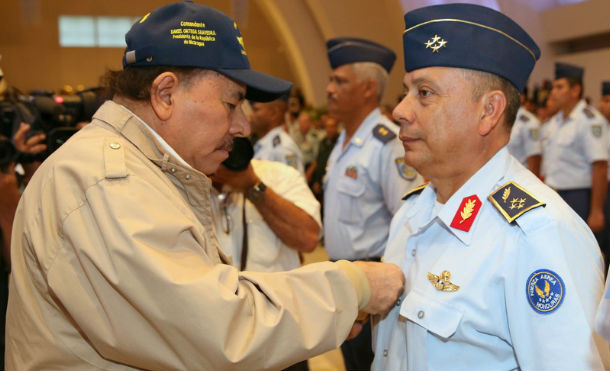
575 150
366 170
274 143
524 141
500 273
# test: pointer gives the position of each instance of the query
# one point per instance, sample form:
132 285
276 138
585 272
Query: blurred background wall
287 37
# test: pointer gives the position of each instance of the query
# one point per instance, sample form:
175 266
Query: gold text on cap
442 283
436 43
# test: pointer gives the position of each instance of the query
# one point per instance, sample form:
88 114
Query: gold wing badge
442 282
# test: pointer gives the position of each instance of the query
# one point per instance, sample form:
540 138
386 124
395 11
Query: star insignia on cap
436 43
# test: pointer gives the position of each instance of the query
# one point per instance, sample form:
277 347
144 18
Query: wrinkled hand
32 145
238 180
387 283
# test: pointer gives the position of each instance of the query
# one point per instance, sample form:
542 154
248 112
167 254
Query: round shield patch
545 291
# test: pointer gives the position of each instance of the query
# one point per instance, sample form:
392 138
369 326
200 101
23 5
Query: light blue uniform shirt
489 322
362 190
278 146
525 136
571 145
602 320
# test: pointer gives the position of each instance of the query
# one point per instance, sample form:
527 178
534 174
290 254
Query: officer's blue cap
469 36
345 50
606 88
190 35
569 71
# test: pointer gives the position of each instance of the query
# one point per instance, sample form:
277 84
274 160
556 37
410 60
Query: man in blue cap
501 274
575 151
366 173
524 143
115 261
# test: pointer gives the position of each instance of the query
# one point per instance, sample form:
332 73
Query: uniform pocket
350 194
437 317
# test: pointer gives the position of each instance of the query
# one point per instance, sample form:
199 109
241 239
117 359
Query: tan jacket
116 266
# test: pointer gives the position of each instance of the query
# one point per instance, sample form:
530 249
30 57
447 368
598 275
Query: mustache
226 145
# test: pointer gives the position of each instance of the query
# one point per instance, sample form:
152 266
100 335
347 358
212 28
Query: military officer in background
274 143
501 274
604 241
524 142
366 171
575 150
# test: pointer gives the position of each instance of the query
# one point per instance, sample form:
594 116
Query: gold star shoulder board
512 201
414 191
383 133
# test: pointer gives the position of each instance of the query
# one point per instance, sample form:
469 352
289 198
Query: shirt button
385 352
398 301
172 170
420 314
413 252
188 176
114 145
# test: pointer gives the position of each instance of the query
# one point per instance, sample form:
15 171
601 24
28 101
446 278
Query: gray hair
373 71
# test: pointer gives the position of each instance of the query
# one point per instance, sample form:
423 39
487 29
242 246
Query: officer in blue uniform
575 148
524 142
366 171
501 273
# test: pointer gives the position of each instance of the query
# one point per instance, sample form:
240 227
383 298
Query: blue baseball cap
606 88
345 50
469 36
185 34
568 71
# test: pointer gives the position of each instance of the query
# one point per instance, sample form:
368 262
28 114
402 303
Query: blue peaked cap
345 50
568 71
185 34
469 36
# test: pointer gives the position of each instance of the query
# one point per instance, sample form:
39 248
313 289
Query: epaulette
276 140
383 133
414 191
524 118
588 113
512 201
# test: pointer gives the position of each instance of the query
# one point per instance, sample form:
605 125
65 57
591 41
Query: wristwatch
256 193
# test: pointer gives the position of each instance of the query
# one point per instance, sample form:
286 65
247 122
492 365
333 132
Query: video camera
51 114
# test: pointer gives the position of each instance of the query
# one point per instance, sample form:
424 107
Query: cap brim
260 87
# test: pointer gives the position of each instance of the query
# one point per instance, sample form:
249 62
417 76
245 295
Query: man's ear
162 90
493 108
371 88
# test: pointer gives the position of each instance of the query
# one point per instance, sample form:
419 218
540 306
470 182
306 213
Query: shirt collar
575 111
481 184
365 129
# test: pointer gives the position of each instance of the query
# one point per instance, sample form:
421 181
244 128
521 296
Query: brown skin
350 100
604 106
267 116
564 97
446 135
282 216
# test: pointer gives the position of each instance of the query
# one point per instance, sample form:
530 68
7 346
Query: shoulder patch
512 201
276 141
545 291
524 118
588 113
405 171
383 133
414 191
596 130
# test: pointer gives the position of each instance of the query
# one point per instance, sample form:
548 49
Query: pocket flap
350 187
435 316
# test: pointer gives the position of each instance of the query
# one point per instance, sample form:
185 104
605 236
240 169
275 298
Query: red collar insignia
466 213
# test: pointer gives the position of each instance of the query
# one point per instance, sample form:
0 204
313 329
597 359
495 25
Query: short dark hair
135 82
486 82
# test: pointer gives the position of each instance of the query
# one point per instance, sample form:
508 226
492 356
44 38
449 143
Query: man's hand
238 180
595 221
386 282
32 145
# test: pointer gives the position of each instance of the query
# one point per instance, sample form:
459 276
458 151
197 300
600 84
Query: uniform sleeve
602 319
595 140
531 138
143 287
396 177
552 296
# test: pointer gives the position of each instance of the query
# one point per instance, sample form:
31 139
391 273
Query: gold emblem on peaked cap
436 43
144 18
442 283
